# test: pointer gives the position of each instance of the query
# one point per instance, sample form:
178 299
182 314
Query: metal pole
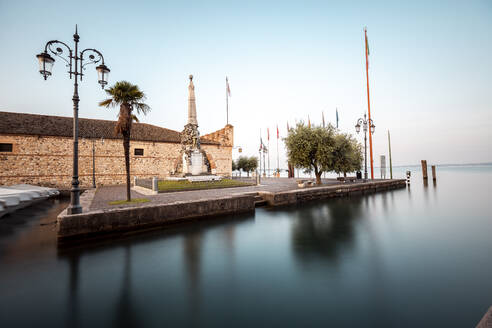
264 173
93 163
75 207
365 155
278 163
268 156
227 104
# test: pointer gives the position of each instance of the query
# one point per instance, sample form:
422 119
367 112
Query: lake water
415 257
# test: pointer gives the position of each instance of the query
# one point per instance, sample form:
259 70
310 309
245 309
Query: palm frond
107 103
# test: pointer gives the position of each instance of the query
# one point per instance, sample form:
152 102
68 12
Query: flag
337 117
309 122
323 117
268 134
277 132
228 90
367 47
261 144
288 127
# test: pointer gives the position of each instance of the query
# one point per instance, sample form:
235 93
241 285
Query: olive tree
347 154
311 148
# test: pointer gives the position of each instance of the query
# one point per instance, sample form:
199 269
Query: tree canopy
247 164
322 149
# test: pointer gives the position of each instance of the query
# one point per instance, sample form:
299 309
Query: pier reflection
323 230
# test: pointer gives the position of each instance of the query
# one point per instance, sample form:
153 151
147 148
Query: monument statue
193 159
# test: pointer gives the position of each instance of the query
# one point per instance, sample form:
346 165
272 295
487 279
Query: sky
430 70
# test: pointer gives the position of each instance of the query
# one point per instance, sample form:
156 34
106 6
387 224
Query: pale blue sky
430 66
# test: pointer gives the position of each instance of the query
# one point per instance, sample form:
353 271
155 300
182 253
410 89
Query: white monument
195 166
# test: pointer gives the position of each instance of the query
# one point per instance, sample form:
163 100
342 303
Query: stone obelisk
190 137
191 103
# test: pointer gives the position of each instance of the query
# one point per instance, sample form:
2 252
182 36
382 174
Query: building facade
38 149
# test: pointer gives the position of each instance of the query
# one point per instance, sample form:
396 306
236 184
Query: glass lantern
45 64
102 72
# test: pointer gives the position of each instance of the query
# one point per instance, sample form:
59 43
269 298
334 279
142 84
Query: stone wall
47 161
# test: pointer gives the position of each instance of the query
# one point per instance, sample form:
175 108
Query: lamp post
75 62
365 124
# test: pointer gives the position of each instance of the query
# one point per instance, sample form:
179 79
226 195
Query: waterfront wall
315 193
145 217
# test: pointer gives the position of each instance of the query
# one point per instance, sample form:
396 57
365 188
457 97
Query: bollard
155 185
424 169
408 177
433 172
258 179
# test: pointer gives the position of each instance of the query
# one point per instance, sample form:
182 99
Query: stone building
37 149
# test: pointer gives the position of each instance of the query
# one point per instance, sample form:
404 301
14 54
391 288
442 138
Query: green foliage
247 164
124 92
311 148
234 166
347 154
322 149
129 97
169 185
126 202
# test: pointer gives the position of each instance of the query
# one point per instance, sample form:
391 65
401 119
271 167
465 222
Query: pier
98 217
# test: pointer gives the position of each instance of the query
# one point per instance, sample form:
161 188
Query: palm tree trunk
126 146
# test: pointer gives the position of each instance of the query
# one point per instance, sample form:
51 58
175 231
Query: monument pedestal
196 163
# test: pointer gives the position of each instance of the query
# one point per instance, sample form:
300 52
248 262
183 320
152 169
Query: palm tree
128 97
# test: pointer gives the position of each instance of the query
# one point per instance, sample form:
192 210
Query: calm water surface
415 257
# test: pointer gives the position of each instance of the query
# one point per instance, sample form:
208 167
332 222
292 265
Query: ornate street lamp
75 62
365 125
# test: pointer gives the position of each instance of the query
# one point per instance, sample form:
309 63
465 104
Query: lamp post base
74 209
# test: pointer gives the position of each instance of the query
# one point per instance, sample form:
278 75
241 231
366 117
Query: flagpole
227 101
368 103
268 149
278 163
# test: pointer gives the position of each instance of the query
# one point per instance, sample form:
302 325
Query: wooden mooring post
433 172
424 169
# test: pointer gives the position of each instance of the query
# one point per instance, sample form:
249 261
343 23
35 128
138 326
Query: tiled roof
44 125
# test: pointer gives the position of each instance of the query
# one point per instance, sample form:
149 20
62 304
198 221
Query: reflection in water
192 249
126 315
73 288
322 230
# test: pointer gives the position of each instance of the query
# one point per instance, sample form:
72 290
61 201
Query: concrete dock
98 217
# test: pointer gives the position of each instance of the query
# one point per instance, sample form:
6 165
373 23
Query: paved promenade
104 195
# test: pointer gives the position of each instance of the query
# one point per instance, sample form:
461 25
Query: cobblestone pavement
104 195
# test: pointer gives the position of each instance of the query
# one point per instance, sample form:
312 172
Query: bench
305 183
346 179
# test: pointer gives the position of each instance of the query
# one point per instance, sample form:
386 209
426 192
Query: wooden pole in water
424 169
433 172
389 146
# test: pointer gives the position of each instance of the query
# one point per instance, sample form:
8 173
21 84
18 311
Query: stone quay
99 218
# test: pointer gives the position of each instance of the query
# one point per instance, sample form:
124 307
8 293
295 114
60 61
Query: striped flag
288 127
277 132
268 134
309 122
228 89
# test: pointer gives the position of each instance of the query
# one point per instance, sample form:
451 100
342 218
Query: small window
6 147
138 151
